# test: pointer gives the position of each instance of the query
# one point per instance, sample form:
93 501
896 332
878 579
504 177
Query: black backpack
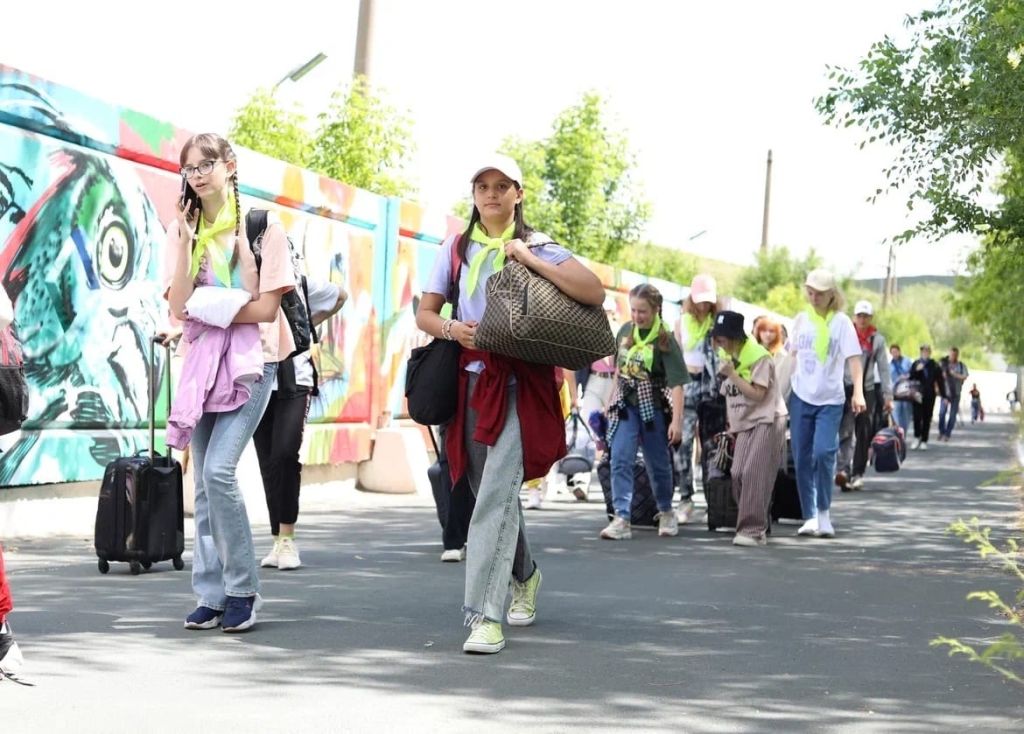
295 306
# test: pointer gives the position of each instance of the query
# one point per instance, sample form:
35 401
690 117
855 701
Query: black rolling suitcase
785 497
454 504
140 517
722 509
644 506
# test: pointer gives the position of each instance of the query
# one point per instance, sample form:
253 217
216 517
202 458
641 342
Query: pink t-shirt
275 273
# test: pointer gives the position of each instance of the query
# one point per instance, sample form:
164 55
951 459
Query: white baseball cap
863 307
821 279
501 163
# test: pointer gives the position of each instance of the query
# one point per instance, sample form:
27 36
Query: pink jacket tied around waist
221 365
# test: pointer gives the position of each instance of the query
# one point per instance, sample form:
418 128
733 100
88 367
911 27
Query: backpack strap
313 334
453 290
255 227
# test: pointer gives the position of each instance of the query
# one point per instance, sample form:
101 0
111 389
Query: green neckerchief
207 244
821 325
750 354
643 347
694 331
490 244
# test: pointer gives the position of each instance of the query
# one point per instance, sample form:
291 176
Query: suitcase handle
157 339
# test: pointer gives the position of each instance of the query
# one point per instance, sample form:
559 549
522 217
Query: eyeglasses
203 169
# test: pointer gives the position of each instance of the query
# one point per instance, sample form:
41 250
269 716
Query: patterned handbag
527 317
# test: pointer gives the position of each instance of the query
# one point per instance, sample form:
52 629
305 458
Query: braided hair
654 299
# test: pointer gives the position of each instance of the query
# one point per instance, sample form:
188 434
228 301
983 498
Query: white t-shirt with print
816 382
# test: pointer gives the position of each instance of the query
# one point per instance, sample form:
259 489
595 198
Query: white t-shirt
322 297
815 382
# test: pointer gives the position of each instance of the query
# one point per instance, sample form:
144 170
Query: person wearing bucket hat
757 421
823 342
507 426
703 405
856 431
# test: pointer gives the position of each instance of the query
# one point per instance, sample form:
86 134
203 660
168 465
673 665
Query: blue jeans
947 415
224 559
630 434
814 433
903 414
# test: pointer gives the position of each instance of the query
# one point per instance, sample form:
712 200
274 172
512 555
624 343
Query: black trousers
923 416
454 504
277 440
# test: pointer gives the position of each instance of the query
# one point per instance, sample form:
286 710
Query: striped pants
755 466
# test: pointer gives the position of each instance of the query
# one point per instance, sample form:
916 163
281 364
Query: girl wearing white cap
823 341
508 425
703 406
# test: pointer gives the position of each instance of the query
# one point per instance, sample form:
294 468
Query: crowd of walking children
665 394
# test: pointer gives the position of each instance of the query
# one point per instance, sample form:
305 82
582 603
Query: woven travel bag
528 318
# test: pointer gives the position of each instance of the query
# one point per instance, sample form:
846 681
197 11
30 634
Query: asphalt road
684 634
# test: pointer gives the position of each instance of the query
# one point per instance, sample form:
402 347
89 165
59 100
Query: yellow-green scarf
750 354
644 347
206 243
821 325
490 244
694 331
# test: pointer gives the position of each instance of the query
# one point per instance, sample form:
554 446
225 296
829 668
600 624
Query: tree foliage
948 105
359 139
773 268
261 124
659 262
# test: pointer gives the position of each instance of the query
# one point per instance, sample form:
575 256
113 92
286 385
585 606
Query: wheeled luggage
888 449
140 517
644 507
785 497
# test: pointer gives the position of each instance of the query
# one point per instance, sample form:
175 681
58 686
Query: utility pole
767 200
364 38
889 291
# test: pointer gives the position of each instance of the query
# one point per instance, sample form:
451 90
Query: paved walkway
688 634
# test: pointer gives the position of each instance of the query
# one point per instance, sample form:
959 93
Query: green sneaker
523 610
486 638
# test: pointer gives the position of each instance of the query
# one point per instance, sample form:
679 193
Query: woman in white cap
703 406
856 431
508 425
823 342
757 420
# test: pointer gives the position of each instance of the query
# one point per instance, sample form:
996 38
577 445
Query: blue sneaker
240 614
203 618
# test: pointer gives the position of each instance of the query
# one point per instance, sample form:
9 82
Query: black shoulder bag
432 372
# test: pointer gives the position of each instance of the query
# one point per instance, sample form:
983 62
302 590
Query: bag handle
154 340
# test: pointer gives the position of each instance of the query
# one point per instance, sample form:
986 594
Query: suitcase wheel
147 565
136 568
103 565
712 528
178 563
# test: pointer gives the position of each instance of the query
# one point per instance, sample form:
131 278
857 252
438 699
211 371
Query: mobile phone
189 196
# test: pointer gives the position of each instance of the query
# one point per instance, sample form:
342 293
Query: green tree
261 124
363 141
659 262
785 299
773 268
903 327
947 104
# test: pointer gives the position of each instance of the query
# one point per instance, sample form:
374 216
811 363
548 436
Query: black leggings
923 417
277 441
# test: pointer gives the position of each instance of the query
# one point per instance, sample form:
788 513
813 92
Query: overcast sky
702 90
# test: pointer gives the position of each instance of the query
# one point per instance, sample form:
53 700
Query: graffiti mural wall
86 189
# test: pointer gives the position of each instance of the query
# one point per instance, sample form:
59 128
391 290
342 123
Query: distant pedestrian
956 373
647 413
856 431
927 373
823 342
505 430
899 369
977 413
757 420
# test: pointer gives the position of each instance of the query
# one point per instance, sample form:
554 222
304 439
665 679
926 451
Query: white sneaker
618 529
11 660
288 555
271 559
533 499
749 542
685 512
917 444
825 529
810 527
454 555
668 525
857 483
923 446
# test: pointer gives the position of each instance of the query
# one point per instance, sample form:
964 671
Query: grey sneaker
668 524
618 529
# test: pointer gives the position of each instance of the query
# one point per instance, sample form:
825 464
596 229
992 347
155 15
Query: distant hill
875 284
